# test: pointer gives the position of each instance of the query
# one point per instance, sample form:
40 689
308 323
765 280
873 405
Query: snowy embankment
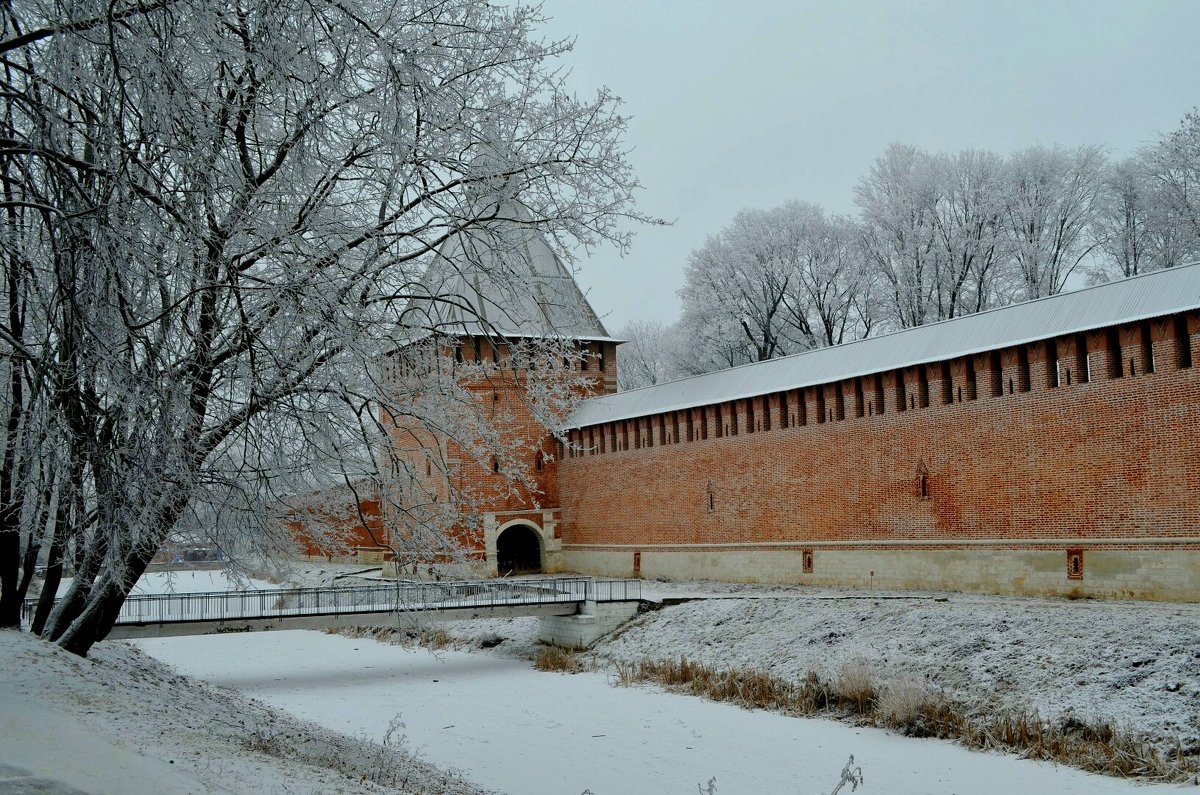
1136 663
120 721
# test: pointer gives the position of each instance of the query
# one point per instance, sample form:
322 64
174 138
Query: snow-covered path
525 732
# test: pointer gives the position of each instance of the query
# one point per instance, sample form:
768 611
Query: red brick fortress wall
1068 466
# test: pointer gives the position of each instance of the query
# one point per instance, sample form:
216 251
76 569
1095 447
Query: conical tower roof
501 278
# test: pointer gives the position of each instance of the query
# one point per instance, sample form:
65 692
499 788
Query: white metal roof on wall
1141 297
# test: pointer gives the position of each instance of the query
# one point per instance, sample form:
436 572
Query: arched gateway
518 551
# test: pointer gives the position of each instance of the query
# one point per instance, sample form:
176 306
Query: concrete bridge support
592 622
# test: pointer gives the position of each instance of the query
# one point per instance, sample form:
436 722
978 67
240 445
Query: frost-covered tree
897 202
1125 222
1050 201
710 339
828 303
970 245
772 283
1171 170
223 210
740 278
650 354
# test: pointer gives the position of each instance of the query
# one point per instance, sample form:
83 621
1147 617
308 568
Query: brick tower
494 295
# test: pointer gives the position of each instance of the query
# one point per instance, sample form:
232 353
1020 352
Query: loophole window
1074 564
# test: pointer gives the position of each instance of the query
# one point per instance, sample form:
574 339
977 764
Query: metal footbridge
167 615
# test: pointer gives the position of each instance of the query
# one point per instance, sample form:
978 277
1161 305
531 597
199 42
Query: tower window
972 386
922 387
996 372
1183 343
879 401
1083 363
1023 378
901 392
1053 377
539 463
948 385
1147 340
478 344
1116 367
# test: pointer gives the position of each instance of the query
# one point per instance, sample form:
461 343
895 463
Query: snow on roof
501 278
1141 297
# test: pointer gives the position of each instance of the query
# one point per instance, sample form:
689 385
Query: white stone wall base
1169 575
581 631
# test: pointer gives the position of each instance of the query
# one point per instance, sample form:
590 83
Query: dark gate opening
518 551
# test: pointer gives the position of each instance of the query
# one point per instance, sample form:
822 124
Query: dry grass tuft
856 685
553 658
905 704
436 638
912 706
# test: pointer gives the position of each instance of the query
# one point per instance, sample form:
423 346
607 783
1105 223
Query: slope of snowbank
119 721
1135 662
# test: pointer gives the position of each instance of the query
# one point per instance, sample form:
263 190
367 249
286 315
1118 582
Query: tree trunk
10 560
54 568
73 602
104 605
10 556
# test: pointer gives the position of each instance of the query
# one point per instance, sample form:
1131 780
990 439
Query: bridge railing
616 590
383 598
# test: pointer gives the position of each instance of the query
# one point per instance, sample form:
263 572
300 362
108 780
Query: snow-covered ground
1137 663
121 722
121 716
528 733
1134 662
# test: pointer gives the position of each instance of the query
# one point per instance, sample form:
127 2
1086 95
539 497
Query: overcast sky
751 103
